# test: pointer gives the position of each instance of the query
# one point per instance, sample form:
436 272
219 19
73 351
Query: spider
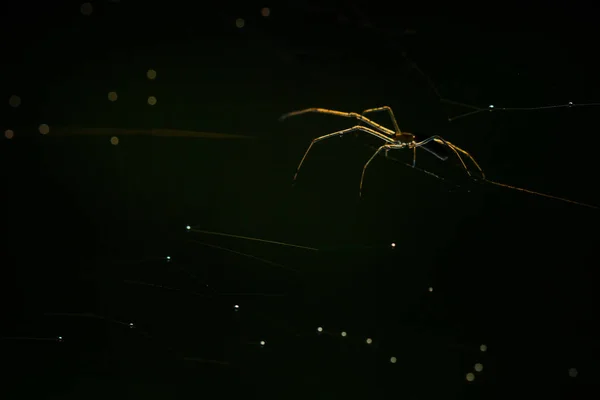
394 139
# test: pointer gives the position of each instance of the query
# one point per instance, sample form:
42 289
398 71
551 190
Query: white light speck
262 342
319 329
393 245
393 360
491 106
483 348
188 227
369 341
344 334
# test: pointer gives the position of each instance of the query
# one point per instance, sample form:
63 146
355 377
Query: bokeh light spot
265 12
44 129
87 9
470 377
9 134
114 140
483 348
14 101
393 360
478 367
344 334
151 74
152 100
430 289
240 23
573 372
112 96
369 341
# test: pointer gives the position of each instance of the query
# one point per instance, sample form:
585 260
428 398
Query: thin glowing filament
479 109
502 185
476 109
254 239
86 315
415 167
244 255
541 194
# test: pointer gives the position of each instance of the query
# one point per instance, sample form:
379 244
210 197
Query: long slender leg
468 155
384 147
457 150
414 148
415 156
391 113
339 133
399 132
448 144
354 115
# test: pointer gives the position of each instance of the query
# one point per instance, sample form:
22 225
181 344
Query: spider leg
399 133
354 115
385 147
457 150
414 163
340 133
412 145
391 113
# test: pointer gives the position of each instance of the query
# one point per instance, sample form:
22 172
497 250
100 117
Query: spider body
394 139
404 137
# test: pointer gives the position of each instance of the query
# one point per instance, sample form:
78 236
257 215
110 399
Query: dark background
88 225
